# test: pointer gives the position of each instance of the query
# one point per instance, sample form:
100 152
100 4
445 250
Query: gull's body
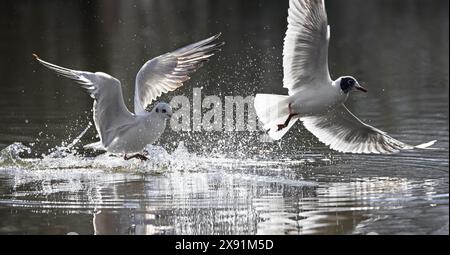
136 132
306 102
120 130
314 98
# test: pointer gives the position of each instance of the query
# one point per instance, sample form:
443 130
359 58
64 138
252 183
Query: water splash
17 155
182 159
242 164
65 150
11 156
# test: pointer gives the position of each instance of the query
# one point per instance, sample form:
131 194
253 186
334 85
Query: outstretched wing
110 112
168 72
305 53
344 132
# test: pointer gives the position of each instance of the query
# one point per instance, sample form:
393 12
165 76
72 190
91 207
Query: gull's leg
138 156
286 123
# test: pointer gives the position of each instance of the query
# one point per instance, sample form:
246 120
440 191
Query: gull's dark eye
157 110
351 82
163 110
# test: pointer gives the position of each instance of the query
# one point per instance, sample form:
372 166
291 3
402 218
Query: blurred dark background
398 48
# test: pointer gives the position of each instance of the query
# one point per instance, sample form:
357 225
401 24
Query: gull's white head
348 83
163 110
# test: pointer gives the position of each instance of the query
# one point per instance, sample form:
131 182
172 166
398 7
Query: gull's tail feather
273 110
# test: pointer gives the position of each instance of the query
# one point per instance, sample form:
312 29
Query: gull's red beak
361 88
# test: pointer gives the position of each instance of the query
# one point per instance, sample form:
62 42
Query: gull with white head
314 98
122 131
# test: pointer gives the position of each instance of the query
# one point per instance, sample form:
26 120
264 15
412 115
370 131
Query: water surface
214 182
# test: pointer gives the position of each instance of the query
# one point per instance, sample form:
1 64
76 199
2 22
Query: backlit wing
168 72
305 53
110 112
344 132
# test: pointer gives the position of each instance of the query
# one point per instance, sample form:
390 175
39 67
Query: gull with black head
313 97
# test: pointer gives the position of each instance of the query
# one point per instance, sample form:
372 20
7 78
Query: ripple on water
185 193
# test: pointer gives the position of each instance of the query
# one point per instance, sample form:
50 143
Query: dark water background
399 49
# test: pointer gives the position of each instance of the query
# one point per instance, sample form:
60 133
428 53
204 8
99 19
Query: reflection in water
212 199
228 183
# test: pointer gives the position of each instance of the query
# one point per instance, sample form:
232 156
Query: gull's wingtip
214 37
220 45
426 145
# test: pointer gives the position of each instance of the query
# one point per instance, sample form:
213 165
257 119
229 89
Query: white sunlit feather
169 71
305 52
314 97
